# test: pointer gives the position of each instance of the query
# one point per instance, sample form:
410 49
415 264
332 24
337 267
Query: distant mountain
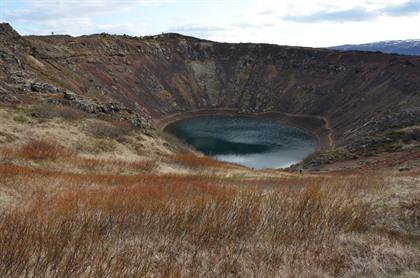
405 47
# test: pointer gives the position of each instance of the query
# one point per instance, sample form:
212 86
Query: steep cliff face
161 75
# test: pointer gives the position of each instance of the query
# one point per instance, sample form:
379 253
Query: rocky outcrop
44 87
114 110
7 31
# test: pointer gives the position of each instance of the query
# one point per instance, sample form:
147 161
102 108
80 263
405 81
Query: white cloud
52 10
75 17
198 30
326 23
364 12
294 22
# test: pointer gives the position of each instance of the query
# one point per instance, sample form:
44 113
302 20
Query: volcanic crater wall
166 74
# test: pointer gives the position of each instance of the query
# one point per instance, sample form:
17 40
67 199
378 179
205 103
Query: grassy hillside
79 201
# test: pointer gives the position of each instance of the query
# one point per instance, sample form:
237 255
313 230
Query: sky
314 23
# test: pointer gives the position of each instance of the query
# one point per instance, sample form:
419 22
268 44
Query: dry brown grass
194 162
110 130
43 150
167 226
72 215
97 146
7 153
50 111
37 150
50 153
95 165
170 230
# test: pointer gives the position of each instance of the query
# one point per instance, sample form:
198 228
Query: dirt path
330 132
318 126
331 142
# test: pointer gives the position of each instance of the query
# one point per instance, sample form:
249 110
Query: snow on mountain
405 47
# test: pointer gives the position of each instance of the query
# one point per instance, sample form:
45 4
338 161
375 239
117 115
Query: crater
253 142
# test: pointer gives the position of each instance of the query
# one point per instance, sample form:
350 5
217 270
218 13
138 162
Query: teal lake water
253 142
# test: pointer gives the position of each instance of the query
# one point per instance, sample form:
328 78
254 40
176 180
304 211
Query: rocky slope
364 97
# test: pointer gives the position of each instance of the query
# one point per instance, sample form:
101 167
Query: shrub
21 119
393 147
43 150
7 153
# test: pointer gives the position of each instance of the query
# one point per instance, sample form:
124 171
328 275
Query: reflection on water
252 142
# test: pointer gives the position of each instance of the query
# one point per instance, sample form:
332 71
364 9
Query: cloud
353 14
212 31
197 30
356 14
75 17
408 8
83 26
266 12
39 10
294 22
251 25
